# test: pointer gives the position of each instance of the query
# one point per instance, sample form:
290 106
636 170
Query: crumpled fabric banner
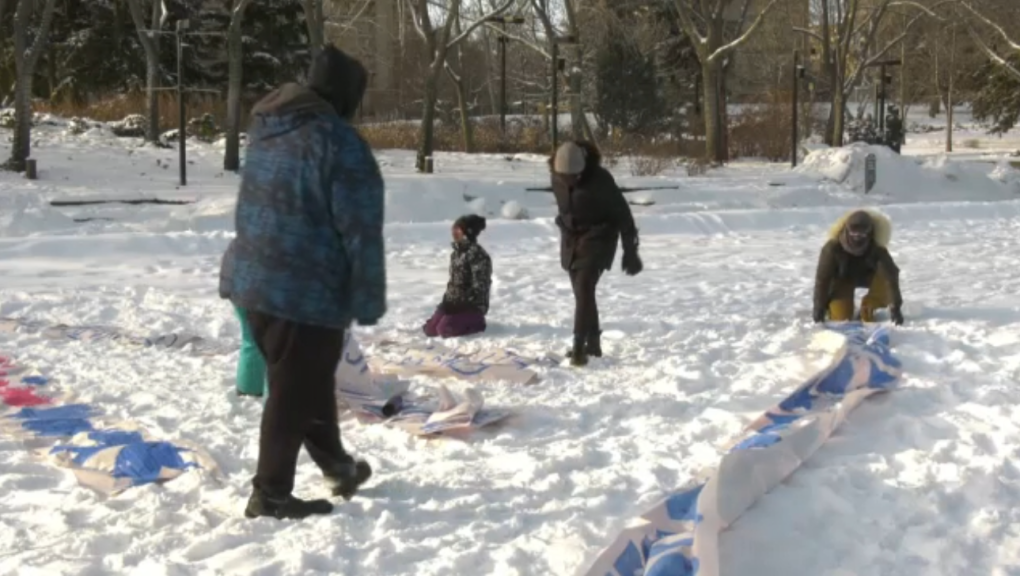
197 345
680 535
107 457
384 398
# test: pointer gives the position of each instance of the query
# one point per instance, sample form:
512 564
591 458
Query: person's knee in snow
856 255
466 299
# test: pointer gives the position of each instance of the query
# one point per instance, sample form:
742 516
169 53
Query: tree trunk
837 116
466 129
21 148
25 60
235 55
315 21
150 44
428 120
152 96
723 152
710 84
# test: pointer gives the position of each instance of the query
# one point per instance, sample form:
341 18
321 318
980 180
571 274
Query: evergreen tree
998 98
627 89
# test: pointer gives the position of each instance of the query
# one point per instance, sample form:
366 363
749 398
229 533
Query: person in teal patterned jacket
308 260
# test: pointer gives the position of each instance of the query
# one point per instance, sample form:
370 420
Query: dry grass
522 135
762 130
123 105
971 143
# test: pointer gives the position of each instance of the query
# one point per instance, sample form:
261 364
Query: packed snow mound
907 179
512 210
26 213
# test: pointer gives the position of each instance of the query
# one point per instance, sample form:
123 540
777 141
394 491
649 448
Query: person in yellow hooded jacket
856 255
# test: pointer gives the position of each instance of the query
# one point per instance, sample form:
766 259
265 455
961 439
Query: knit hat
856 234
471 224
569 160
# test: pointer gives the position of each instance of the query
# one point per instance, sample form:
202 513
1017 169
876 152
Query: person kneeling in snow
857 256
466 301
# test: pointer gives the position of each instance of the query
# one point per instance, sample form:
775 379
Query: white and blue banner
680 535
106 456
192 343
385 398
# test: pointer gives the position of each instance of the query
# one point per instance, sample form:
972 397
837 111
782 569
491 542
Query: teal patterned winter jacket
309 220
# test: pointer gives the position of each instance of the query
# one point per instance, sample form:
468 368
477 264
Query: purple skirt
453 325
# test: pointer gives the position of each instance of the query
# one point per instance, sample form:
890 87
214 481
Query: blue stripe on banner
133 457
867 364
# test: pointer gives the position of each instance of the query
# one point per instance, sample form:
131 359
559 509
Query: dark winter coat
309 218
836 265
470 279
593 216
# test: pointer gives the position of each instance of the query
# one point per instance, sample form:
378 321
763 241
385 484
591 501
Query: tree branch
690 28
1002 33
479 22
810 33
726 49
992 54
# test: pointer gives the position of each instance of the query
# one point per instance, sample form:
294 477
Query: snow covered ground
919 482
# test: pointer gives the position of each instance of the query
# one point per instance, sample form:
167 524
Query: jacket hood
882 230
285 109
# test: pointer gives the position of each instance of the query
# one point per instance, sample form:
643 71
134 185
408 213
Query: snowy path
715 330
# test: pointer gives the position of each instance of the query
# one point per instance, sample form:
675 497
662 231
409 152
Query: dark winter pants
586 311
301 363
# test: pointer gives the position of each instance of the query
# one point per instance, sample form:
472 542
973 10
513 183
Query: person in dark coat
308 260
856 255
466 301
593 217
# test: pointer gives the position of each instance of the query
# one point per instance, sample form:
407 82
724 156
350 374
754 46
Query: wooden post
30 169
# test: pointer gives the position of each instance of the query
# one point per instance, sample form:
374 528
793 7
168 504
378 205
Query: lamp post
557 67
884 79
503 39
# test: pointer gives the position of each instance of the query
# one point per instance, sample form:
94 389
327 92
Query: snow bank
25 213
907 179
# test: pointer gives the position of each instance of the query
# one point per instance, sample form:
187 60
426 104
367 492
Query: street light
557 67
884 79
503 39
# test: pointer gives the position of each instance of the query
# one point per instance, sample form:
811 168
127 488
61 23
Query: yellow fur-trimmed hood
883 226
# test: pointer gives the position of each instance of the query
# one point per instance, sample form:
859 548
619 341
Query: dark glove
632 265
896 315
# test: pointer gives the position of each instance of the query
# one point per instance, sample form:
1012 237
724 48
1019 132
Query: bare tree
315 20
999 32
149 38
235 56
25 59
704 21
849 35
944 79
438 42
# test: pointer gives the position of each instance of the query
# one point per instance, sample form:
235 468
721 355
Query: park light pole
503 39
884 80
558 65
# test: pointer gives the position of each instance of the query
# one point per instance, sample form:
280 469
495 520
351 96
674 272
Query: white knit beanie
569 159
